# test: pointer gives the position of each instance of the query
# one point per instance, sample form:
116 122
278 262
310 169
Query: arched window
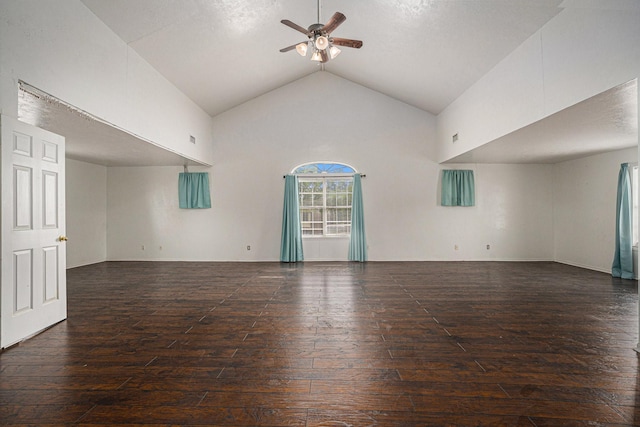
323 167
325 190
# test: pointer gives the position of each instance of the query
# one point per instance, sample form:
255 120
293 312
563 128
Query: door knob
62 239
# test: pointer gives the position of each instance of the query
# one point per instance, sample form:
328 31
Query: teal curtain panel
623 257
358 240
458 188
291 243
193 190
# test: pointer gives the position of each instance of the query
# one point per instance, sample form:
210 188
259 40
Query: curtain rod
336 175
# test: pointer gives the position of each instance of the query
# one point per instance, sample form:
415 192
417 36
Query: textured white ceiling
88 138
222 53
605 122
426 53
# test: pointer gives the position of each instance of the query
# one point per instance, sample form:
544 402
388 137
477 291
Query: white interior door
33 256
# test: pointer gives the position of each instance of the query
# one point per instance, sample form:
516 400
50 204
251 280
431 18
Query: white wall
86 207
61 47
142 210
579 53
584 200
513 215
391 142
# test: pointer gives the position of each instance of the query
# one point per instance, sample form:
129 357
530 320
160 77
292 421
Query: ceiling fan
323 46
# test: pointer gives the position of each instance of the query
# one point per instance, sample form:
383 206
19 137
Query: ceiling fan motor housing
319 38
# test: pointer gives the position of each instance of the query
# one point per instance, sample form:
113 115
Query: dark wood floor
332 344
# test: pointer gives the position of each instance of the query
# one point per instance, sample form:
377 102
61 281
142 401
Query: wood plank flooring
332 344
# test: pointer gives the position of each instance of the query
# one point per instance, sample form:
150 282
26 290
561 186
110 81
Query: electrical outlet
248 247
142 247
488 247
455 247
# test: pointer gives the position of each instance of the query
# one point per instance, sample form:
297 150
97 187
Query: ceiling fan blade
295 26
356 44
288 48
324 56
337 19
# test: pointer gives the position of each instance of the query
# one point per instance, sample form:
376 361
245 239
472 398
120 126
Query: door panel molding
33 292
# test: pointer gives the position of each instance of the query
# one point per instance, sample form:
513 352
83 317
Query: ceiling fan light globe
316 56
301 48
322 42
334 51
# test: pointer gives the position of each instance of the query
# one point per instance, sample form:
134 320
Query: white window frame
325 177
327 224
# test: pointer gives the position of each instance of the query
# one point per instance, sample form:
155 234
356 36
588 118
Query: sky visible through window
323 168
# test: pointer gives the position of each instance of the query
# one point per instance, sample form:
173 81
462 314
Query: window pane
332 216
310 186
308 215
342 186
336 197
338 229
344 215
304 186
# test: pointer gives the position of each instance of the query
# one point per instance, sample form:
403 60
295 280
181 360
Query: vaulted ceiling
426 53
221 53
